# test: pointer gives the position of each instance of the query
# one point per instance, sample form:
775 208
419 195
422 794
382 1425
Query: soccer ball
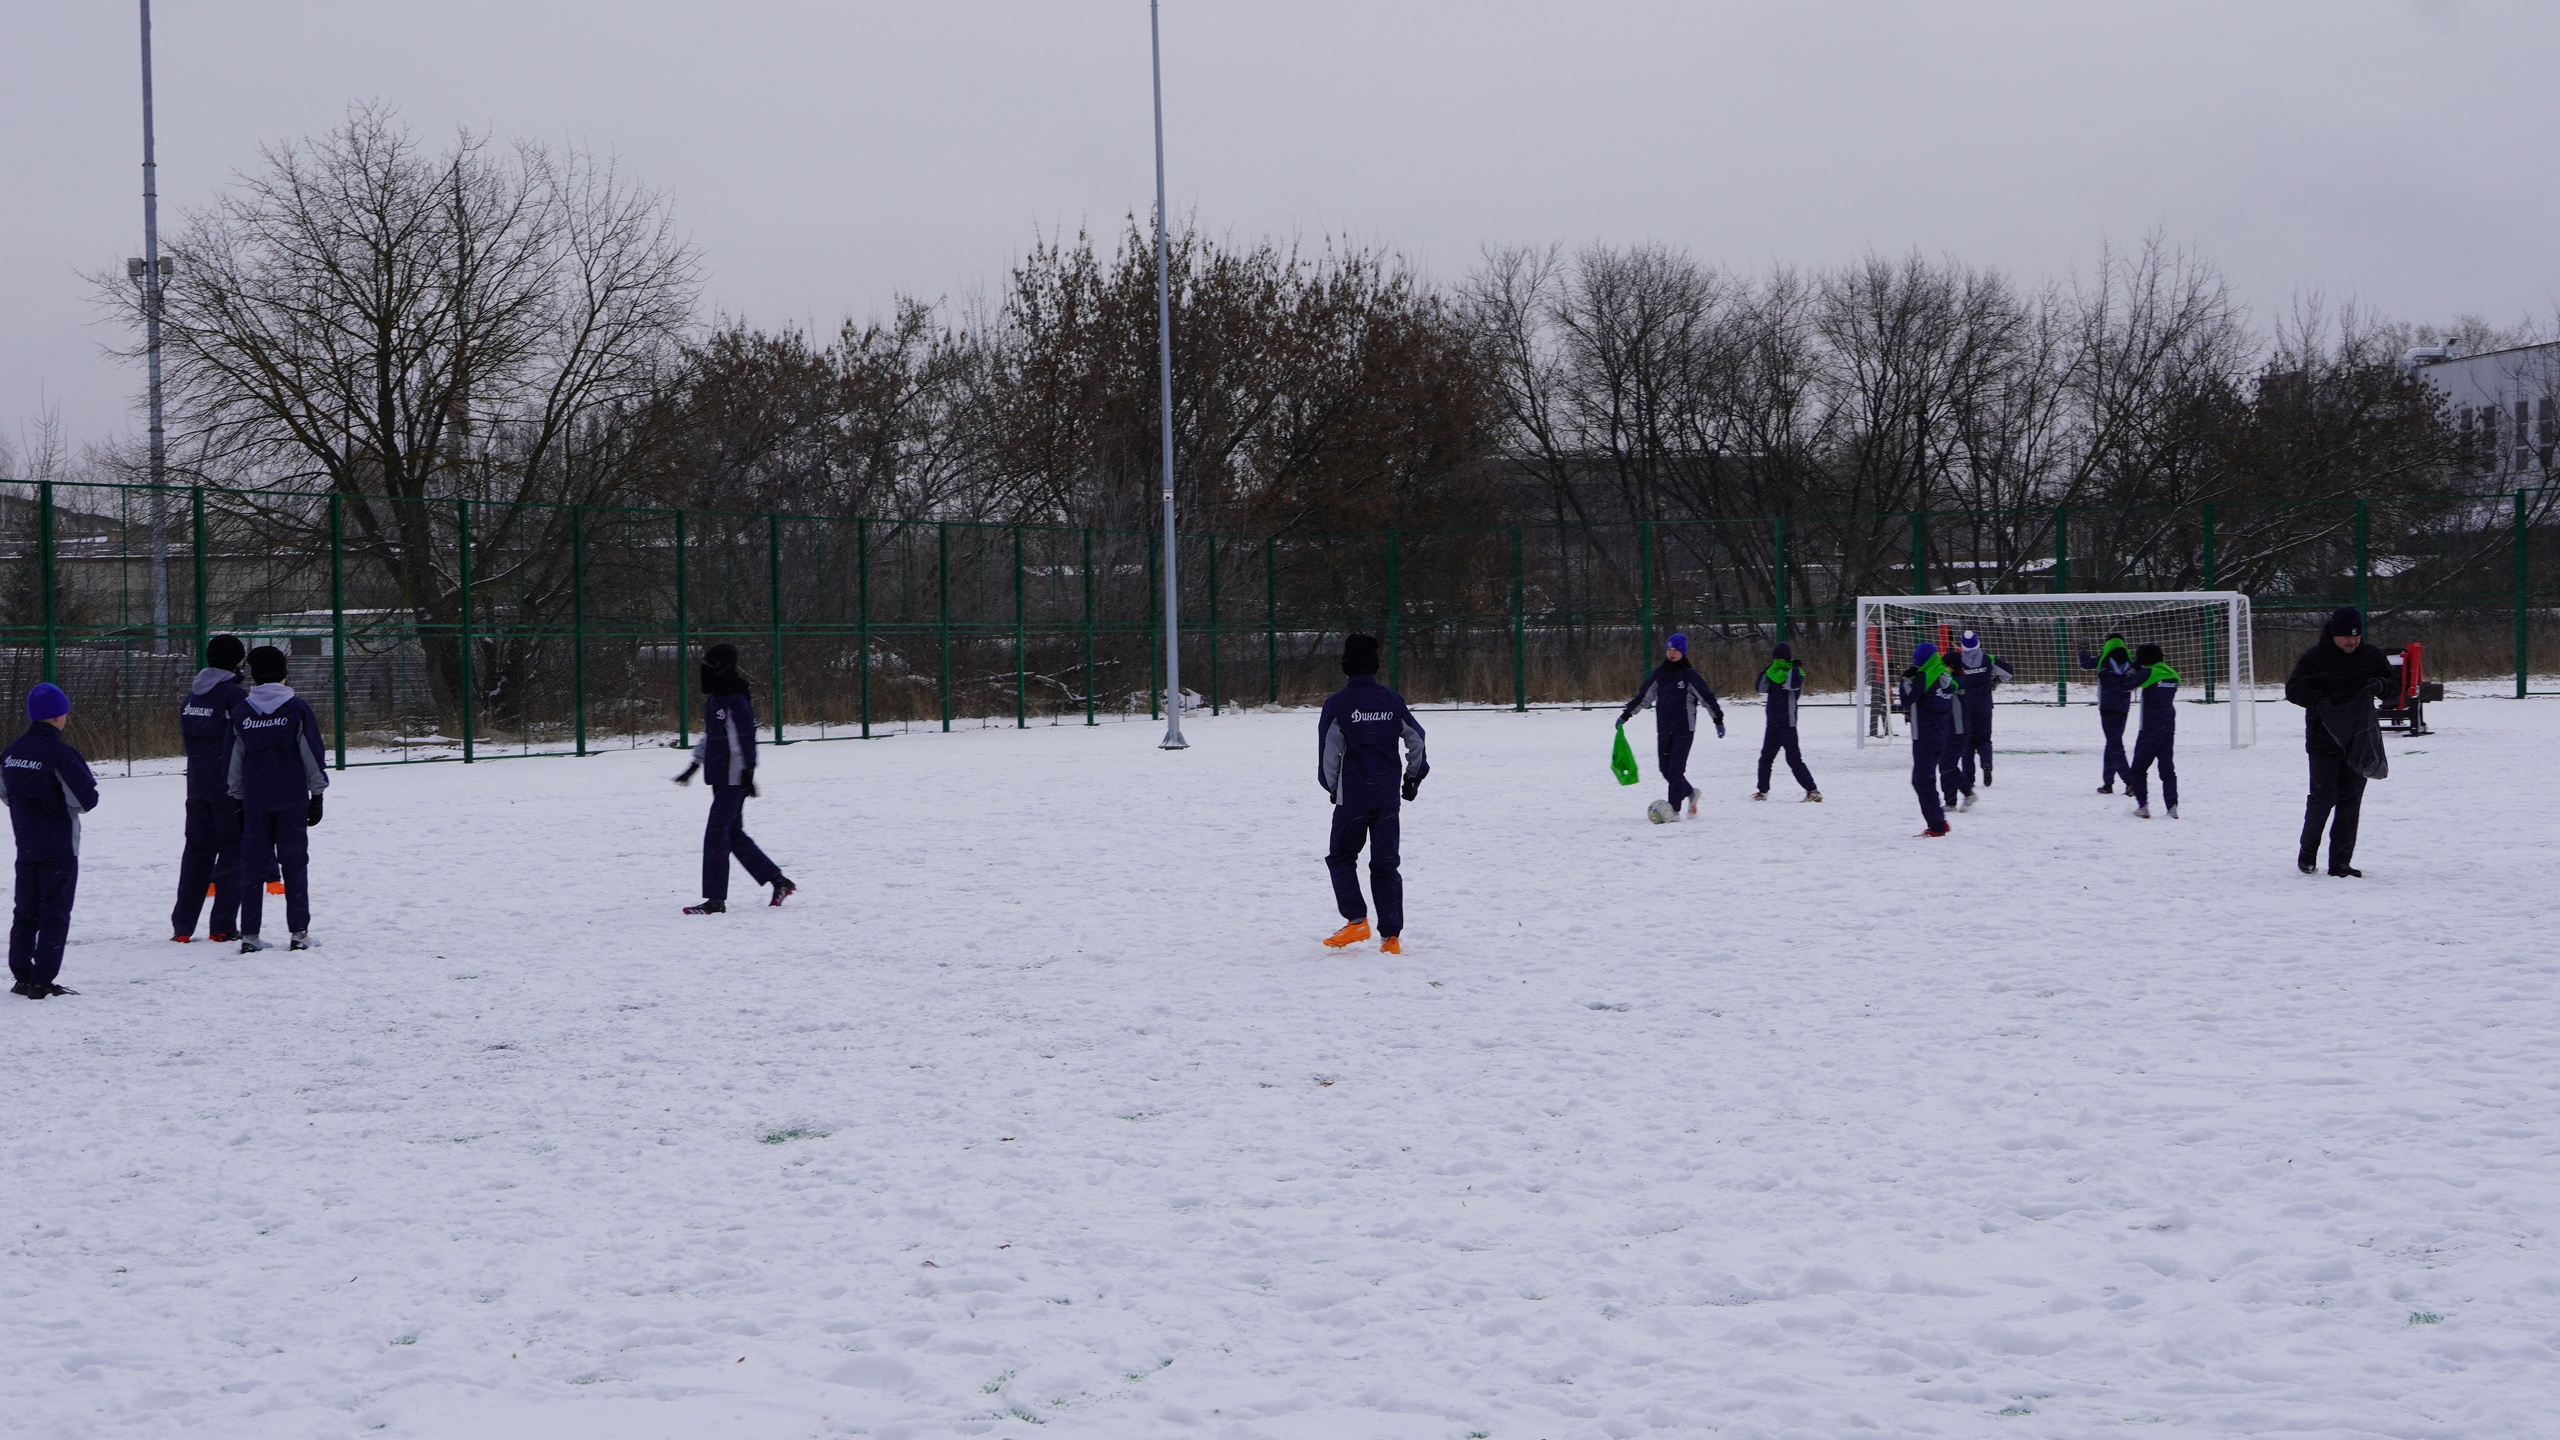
1662 812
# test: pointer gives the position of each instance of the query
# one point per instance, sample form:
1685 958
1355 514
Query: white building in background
2505 404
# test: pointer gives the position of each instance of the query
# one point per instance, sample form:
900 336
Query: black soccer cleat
2346 872
251 945
52 990
28 988
707 907
301 940
783 890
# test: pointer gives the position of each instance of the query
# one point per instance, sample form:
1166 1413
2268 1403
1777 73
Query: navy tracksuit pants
1929 746
724 835
272 840
1772 743
1973 749
1671 752
212 857
41 920
2336 789
2150 745
2112 722
1380 829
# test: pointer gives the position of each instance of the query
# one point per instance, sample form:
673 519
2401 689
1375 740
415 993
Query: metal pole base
1173 733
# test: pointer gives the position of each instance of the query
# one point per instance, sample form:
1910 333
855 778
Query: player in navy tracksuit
2158 737
1929 702
49 787
1783 683
1356 762
2117 680
211 858
278 769
726 758
1675 690
1978 674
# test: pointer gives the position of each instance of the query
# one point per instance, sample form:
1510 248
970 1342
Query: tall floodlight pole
151 329
1164 396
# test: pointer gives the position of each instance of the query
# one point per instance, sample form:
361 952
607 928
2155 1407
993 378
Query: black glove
1719 729
1412 786
311 812
750 782
687 777
1626 715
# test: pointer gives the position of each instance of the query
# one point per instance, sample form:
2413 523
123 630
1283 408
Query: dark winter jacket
49 788
2118 678
1675 690
1978 673
2159 691
2336 690
277 761
1933 709
1356 740
204 723
1786 697
727 750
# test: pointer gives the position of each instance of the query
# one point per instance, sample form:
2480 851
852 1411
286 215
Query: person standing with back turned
211 858
49 788
1356 740
278 769
2335 683
726 758
1783 683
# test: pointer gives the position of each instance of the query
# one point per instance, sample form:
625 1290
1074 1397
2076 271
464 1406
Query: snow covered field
1041 1112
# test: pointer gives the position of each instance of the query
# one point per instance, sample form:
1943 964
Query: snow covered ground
1041 1112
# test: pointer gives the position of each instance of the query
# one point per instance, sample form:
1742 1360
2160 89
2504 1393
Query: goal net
2203 634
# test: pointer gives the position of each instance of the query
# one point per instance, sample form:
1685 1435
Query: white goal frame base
2234 670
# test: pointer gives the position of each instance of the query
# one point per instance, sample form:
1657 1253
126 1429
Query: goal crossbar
2205 633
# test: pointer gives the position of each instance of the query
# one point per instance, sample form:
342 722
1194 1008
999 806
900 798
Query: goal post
2205 635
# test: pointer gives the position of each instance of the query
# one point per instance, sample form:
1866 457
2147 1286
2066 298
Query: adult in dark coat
211 857
2336 682
726 760
1675 690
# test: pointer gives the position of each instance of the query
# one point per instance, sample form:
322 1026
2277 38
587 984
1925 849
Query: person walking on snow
1357 735
49 788
2158 737
211 859
2335 682
277 770
1930 707
1783 683
1675 690
1978 674
726 759
2117 680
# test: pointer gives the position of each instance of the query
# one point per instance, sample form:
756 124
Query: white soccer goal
2203 633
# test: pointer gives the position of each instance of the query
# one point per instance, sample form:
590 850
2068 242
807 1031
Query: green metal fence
466 630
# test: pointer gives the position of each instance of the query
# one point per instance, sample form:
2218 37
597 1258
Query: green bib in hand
1622 759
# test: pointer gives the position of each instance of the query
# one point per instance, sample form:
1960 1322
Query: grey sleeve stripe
1329 760
1414 760
737 756
71 806
315 776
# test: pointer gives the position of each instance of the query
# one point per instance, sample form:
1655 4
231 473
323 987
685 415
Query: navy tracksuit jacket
727 755
1978 673
49 788
1786 697
2116 684
1675 692
277 765
1357 738
212 853
1937 719
2157 739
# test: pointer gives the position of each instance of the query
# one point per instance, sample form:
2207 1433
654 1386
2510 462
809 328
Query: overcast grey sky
825 156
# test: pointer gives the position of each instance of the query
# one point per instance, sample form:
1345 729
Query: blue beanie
1923 653
1782 651
47 701
1678 642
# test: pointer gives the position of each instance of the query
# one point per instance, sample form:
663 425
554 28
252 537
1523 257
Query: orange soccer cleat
275 887
1391 946
1351 934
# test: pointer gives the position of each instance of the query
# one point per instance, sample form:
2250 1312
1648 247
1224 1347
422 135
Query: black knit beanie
720 671
225 652
2147 655
266 665
1360 655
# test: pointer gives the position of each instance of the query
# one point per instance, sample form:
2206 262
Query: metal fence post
1395 618
1215 693
2524 595
773 607
1778 571
862 620
1021 696
1155 634
1088 625
338 624
684 643
2364 555
578 624
204 604
1519 624
942 612
462 568
44 577
1271 612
